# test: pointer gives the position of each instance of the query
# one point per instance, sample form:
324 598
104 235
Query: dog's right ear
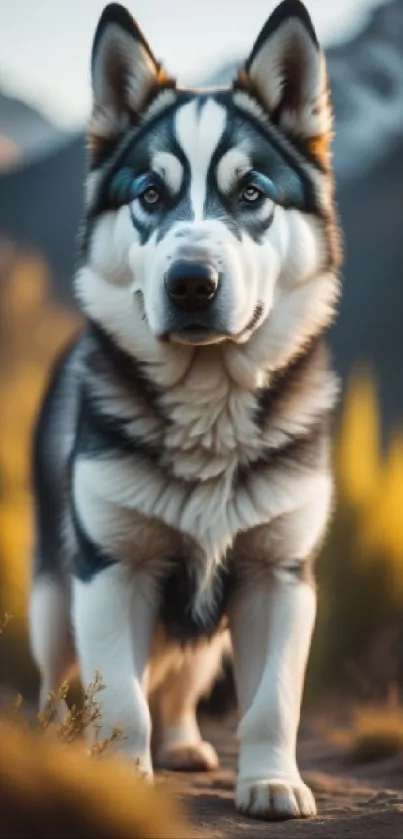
125 76
286 71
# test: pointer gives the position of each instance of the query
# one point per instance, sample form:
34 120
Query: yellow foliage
381 526
33 329
358 456
65 793
371 483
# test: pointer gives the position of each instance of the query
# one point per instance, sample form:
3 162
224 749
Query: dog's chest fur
207 456
211 429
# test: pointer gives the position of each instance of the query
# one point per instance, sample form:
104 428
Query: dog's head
204 207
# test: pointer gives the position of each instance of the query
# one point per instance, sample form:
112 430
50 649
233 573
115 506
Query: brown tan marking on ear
286 74
126 77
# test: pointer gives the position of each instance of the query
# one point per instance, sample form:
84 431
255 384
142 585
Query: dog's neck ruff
210 403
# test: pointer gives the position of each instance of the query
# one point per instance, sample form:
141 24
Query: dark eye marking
255 187
126 187
285 189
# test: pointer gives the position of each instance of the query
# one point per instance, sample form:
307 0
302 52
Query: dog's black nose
191 285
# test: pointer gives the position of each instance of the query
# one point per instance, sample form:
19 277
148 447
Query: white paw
274 800
187 757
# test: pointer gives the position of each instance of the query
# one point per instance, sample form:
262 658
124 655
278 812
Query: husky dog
182 471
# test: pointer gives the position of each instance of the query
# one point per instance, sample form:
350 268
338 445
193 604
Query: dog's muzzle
191 286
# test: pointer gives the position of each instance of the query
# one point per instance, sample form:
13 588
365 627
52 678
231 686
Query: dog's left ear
125 75
286 72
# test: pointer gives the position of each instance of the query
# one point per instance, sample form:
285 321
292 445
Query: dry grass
79 719
52 786
49 789
76 720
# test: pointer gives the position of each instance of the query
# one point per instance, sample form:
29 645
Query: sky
45 44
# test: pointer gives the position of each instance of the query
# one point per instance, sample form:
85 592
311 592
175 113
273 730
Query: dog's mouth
196 334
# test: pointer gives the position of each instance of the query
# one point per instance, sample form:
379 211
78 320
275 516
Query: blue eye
256 187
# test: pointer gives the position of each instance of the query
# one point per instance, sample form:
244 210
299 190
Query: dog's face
204 207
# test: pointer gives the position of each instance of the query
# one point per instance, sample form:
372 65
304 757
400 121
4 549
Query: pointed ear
125 75
286 71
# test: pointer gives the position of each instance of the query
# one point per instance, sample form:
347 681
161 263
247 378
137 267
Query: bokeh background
44 101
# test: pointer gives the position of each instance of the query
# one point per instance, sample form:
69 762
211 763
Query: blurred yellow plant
33 329
371 482
357 450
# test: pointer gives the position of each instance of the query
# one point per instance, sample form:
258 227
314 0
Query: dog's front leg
114 616
272 618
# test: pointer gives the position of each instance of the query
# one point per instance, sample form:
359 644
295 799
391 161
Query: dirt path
360 802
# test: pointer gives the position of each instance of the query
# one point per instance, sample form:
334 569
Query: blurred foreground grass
360 571
66 794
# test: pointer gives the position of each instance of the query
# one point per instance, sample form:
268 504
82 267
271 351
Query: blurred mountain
24 132
40 200
369 326
40 206
367 89
366 76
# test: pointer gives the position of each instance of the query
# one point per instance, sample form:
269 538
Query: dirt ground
354 802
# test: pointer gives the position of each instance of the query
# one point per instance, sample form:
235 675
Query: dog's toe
274 800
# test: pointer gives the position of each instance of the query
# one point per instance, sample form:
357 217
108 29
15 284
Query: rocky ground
361 801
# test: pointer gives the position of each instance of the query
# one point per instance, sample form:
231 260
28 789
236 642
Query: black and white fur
182 473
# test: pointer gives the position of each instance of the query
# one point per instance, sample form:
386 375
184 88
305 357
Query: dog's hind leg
51 640
180 744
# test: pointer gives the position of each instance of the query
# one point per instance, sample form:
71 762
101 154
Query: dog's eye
251 194
125 187
151 191
151 195
256 188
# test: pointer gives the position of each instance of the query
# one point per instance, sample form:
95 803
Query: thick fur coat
182 470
